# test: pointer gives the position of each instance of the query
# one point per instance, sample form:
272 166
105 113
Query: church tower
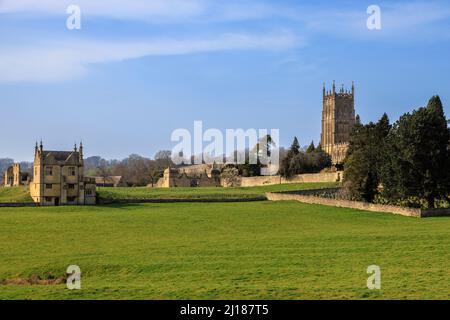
338 119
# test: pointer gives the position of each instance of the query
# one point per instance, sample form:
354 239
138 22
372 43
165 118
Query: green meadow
21 194
204 193
250 250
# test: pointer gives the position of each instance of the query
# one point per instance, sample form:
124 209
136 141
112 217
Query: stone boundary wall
301 178
18 204
32 204
307 196
136 201
429 213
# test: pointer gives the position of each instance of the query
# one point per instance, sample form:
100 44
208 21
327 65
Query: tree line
297 161
405 163
135 170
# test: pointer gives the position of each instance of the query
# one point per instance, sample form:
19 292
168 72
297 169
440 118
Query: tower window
72 171
48 186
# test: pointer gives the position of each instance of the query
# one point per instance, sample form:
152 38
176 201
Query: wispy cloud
400 20
415 15
398 17
128 9
153 11
59 60
65 60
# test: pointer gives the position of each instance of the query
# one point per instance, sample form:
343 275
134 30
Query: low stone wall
428 213
329 192
307 196
259 181
136 201
301 178
18 204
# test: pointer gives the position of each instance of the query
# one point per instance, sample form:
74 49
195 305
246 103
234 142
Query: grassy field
15 194
257 250
21 194
204 193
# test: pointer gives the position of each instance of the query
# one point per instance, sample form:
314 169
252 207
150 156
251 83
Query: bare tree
104 172
155 173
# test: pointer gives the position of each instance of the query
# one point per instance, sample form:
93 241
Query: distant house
59 179
110 181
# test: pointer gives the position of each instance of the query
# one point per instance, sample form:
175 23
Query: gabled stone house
58 178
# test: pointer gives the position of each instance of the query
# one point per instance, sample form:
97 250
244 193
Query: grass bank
15 194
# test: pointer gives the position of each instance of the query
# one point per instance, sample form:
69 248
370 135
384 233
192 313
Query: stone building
191 176
110 182
338 119
14 177
58 178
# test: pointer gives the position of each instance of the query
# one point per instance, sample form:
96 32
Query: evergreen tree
295 147
362 174
298 162
418 156
287 169
319 147
311 148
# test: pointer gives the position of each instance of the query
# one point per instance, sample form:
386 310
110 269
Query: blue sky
134 73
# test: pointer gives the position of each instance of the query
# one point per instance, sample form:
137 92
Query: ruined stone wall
174 179
181 180
8 179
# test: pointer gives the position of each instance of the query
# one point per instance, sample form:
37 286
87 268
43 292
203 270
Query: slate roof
60 156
